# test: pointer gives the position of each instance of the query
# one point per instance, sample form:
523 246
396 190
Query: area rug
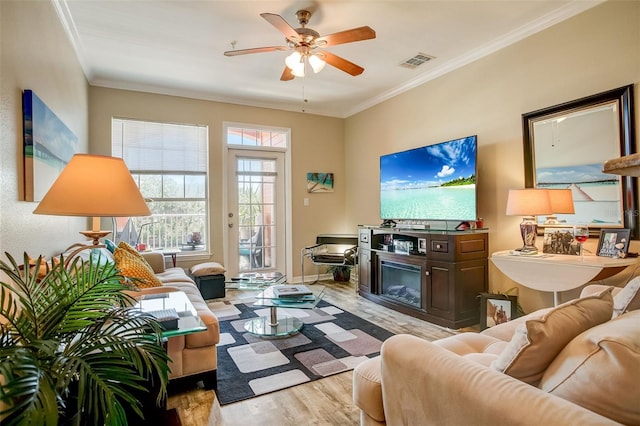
331 341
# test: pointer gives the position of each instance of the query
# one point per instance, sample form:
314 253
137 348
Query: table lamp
561 203
528 203
96 186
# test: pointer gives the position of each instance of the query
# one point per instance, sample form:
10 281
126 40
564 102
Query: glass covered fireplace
401 282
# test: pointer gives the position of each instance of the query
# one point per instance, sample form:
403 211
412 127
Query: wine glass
581 234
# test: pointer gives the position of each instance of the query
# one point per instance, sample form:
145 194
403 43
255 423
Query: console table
557 272
431 274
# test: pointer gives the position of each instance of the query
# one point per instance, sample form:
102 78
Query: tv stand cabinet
434 275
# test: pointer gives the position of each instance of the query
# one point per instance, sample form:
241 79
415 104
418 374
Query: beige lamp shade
94 185
561 201
528 202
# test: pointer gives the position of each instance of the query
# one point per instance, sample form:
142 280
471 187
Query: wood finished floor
326 401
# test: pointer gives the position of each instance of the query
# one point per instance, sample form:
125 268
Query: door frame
287 208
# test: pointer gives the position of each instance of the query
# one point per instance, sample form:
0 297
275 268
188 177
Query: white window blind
160 147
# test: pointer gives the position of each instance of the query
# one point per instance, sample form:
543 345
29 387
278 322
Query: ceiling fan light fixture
317 63
295 62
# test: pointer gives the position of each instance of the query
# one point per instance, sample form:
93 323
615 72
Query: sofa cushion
131 266
628 299
506 330
367 388
537 342
600 369
173 275
472 343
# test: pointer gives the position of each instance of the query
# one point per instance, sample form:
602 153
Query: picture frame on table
560 240
497 309
613 242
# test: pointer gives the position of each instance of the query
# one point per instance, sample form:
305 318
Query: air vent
416 61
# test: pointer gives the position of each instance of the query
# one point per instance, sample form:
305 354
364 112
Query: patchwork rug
331 341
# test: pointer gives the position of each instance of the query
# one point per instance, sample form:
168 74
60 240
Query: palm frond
71 333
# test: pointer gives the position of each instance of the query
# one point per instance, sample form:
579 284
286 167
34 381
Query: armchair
331 250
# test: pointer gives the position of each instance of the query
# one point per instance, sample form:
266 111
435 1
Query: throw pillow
86 251
600 370
537 342
131 267
207 268
628 299
111 246
44 268
127 247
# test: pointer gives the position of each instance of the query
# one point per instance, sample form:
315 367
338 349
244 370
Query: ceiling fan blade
341 63
347 36
254 50
281 25
286 75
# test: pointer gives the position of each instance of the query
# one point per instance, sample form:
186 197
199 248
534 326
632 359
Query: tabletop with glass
255 280
173 301
282 325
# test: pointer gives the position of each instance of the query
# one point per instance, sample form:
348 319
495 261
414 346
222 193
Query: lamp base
95 235
528 232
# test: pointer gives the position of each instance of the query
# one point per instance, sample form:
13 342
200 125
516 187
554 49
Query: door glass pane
256 213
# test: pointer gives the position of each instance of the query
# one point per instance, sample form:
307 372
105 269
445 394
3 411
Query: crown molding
561 14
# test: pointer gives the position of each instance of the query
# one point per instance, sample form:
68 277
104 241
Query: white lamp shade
528 202
561 201
94 185
295 62
317 63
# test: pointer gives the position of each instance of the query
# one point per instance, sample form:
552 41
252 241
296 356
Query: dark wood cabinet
432 275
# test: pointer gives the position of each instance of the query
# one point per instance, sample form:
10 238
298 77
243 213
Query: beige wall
593 52
36 54
316 146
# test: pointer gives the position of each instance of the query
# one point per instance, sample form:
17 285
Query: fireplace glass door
401 282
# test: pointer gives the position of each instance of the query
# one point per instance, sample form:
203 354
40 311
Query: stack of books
299 292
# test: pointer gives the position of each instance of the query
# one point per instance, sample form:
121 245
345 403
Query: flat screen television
435 182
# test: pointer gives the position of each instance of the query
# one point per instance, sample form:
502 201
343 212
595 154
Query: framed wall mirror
565 146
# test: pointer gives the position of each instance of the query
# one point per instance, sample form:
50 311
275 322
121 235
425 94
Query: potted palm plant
71 348
341 273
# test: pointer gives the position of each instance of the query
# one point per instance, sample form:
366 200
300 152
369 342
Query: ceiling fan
308 46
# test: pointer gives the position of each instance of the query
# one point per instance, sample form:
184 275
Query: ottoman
209 277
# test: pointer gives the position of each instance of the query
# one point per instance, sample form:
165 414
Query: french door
256 215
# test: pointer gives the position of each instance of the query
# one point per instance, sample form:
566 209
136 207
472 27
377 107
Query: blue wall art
48 146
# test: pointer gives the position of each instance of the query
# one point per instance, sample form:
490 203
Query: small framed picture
422 245
613 243
497 309
560 240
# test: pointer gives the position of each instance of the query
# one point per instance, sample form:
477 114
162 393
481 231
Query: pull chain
304 99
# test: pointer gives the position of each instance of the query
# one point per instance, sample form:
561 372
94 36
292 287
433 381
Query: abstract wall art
48 146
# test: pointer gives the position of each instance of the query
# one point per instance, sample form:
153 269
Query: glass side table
188 319
281 325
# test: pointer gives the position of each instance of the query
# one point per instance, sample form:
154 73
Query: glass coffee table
281 325
255 280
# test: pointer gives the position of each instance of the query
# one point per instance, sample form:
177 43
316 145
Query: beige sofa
586 370
193 355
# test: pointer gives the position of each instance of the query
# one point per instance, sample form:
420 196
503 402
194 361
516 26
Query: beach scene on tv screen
436 182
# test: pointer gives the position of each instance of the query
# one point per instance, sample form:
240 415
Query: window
169 163
252 137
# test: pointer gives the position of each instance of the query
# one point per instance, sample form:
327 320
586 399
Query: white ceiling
176 47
